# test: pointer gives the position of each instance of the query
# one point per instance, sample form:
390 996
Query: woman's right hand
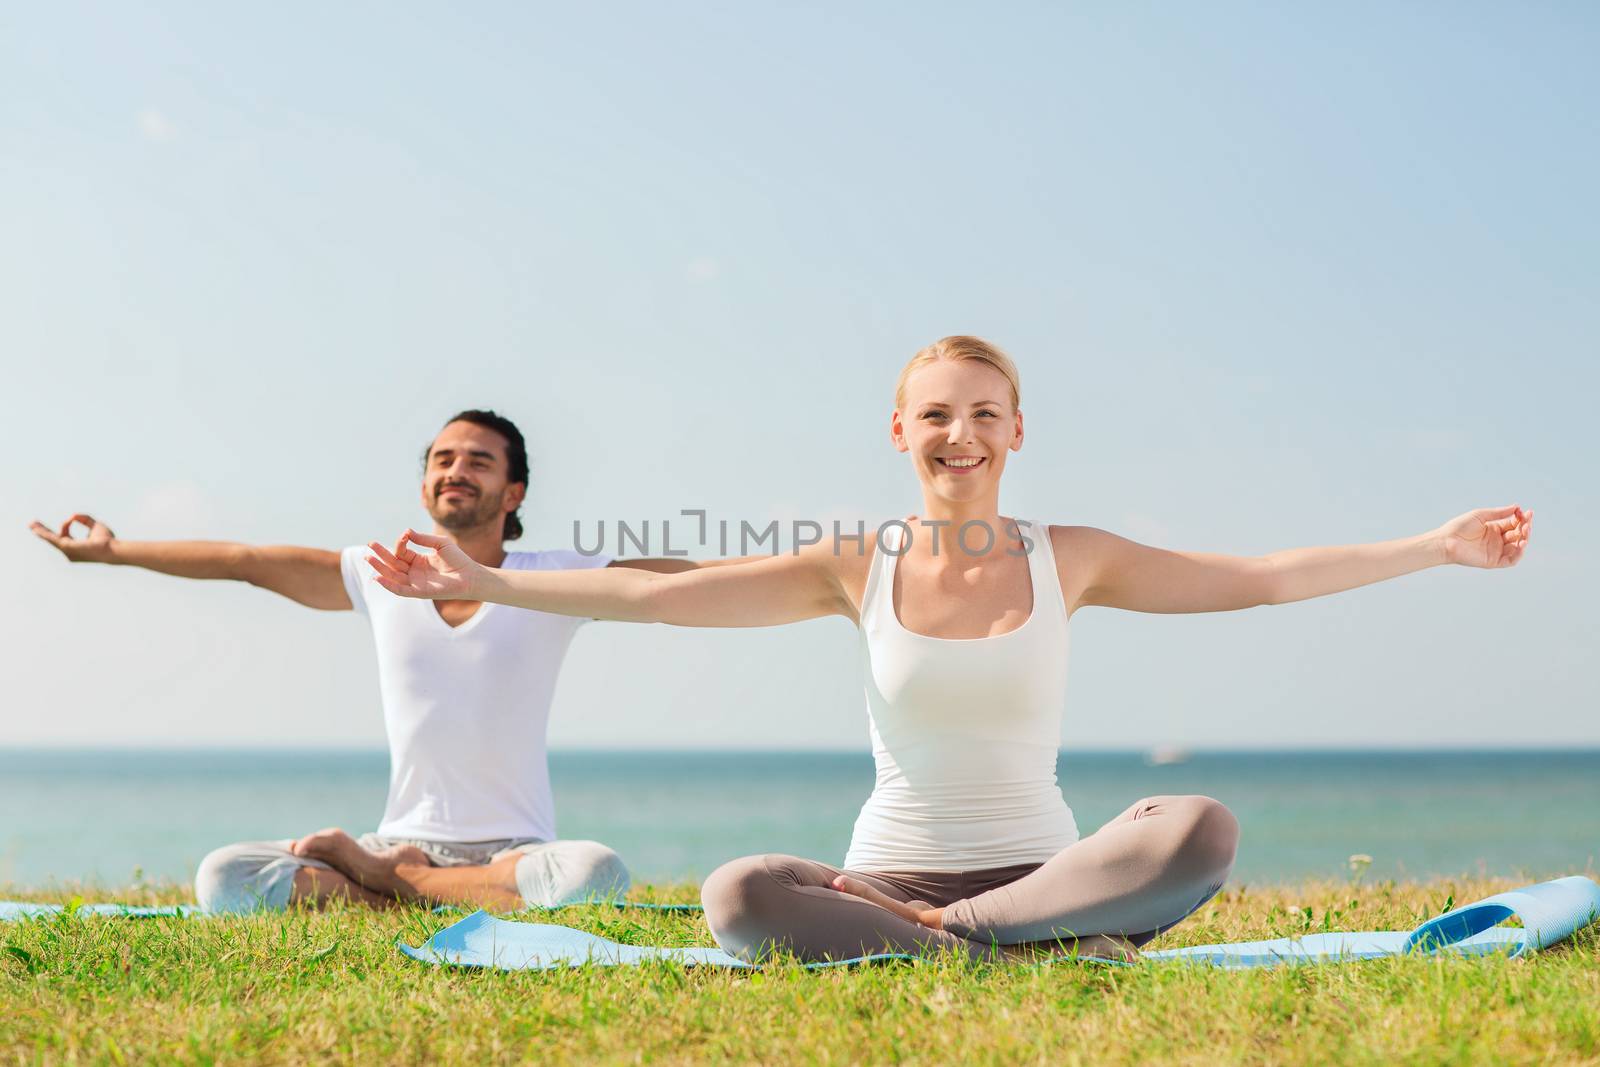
447 573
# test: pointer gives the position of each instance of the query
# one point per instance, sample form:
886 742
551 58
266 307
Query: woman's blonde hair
961 347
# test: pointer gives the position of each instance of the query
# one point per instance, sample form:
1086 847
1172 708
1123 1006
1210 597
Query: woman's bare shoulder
1074 537
1077 550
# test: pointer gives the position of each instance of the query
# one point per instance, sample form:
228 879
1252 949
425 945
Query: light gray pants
1136 876
259 875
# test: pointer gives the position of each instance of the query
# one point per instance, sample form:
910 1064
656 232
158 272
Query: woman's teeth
963 464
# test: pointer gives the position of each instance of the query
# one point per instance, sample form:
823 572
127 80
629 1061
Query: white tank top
964 733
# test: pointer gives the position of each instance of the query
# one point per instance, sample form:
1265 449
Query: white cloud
156 127
702 269
1145 529
176 509
1434 440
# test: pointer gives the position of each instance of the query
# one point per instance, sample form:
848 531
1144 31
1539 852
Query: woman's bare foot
933 918
373 871
1092 946
1089 947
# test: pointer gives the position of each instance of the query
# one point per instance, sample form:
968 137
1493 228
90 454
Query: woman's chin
963 491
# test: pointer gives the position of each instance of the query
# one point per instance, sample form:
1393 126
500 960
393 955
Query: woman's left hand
933 918
1487 537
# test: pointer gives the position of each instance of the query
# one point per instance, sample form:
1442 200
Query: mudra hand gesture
1487 537
96 546
447 573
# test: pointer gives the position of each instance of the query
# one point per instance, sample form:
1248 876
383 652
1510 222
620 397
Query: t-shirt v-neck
466 708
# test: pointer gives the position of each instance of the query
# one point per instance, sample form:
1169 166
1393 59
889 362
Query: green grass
320 987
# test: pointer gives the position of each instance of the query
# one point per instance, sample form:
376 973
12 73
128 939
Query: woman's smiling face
958 422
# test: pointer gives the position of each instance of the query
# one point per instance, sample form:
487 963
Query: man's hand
447 574
95 548
308 576
1487 537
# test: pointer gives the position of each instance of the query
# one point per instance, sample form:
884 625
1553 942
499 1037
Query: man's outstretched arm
308 576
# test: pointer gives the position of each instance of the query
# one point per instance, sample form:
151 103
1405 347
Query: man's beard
456 519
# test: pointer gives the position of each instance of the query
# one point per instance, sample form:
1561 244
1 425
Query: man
466 691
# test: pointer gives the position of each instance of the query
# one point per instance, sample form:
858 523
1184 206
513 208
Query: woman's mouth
960 464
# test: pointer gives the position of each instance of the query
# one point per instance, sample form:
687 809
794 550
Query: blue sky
1274 277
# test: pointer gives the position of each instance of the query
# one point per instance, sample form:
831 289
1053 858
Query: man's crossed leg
378 871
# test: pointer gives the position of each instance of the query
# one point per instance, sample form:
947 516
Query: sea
113 818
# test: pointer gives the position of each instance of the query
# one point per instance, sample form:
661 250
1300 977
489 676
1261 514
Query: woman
966 843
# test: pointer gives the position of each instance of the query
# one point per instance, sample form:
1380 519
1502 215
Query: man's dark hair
516 456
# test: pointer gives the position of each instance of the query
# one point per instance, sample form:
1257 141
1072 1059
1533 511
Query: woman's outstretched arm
768 591
1125 574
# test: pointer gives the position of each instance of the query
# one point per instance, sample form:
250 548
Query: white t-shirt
466 708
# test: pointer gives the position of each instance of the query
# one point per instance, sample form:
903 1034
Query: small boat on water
1166 756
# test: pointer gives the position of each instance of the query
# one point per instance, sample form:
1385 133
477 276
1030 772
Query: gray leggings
1138 875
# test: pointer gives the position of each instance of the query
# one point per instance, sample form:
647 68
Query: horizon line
1185 750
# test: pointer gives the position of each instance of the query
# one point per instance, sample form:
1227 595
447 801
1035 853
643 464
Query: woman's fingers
855 888
388 557
394 587
386 572
425 540
386 564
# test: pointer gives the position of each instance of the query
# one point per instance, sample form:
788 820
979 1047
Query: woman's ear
1016 437
897 433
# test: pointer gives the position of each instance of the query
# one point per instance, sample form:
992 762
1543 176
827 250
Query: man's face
465 484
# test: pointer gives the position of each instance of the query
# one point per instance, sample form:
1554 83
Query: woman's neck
993 535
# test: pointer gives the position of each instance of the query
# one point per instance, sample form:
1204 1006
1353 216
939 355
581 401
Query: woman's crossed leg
1138 875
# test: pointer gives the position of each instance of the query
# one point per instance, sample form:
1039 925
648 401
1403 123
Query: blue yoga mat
1550 912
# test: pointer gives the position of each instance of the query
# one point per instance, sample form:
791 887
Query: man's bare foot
933 918
373 871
